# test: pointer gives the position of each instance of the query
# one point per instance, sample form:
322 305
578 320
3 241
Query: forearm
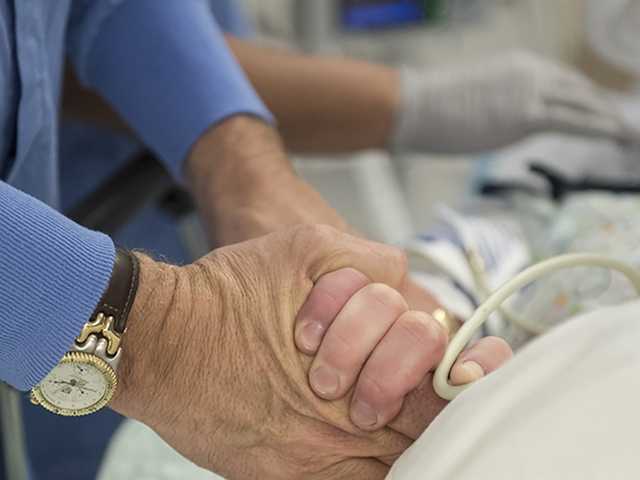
235 160
165 67
244 185
322 104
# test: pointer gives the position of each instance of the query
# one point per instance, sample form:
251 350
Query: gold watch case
111 380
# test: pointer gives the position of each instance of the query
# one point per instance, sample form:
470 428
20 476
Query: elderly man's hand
245 188
211 364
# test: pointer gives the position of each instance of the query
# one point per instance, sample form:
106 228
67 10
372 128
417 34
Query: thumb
326 250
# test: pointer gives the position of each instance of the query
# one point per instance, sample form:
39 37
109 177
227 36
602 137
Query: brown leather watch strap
117 299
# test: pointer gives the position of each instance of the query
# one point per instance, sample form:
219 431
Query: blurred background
391 200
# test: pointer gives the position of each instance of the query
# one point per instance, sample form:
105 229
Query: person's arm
165 68
322 103
54 273
210 361
189 332
337 104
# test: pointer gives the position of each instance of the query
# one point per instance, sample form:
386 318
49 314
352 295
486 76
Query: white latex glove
491 104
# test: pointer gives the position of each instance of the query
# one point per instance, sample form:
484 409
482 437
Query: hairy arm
322 104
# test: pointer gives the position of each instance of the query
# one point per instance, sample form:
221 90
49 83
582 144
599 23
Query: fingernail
311 335
324 381
466 373
363 415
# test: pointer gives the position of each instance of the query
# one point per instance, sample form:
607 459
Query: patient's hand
370 347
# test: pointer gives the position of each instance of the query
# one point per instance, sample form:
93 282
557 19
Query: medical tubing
479 278
441 383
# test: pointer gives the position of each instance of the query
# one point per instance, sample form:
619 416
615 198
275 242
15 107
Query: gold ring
447 320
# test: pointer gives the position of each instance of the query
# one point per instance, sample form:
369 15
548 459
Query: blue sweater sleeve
53 275
164 65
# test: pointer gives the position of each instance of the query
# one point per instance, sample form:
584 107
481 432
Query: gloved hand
496 102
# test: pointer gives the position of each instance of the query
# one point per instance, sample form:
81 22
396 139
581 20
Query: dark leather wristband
117 299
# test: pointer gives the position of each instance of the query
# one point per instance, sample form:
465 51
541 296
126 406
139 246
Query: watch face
80 384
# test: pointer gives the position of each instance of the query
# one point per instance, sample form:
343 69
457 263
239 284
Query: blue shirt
165 67
9 85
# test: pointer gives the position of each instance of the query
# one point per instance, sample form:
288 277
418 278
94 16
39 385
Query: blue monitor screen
363 15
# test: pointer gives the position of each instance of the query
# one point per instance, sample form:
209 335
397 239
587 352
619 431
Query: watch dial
74 386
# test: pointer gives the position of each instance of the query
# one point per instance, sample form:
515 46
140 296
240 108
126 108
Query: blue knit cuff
53 275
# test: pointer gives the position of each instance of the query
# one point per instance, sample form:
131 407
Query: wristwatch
85 380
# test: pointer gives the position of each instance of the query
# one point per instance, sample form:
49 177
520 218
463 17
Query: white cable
476 265
482 289
441 383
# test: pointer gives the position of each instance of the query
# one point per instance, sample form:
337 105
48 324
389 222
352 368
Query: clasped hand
211 361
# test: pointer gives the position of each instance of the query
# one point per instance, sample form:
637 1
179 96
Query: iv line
494 301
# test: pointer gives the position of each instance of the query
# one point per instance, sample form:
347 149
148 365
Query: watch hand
78 381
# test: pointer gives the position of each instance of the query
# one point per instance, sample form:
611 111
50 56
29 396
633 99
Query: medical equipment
563 408
372 14
559 184
486 256
494 301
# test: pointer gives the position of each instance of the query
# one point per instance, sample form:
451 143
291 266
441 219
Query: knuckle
399 258
372 390
322 232
349 276
326 299
385 295
338 350
306 236
396 264
424 331
341 284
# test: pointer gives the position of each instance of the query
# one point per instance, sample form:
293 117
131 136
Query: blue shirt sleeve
231 16
165 66
54 273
